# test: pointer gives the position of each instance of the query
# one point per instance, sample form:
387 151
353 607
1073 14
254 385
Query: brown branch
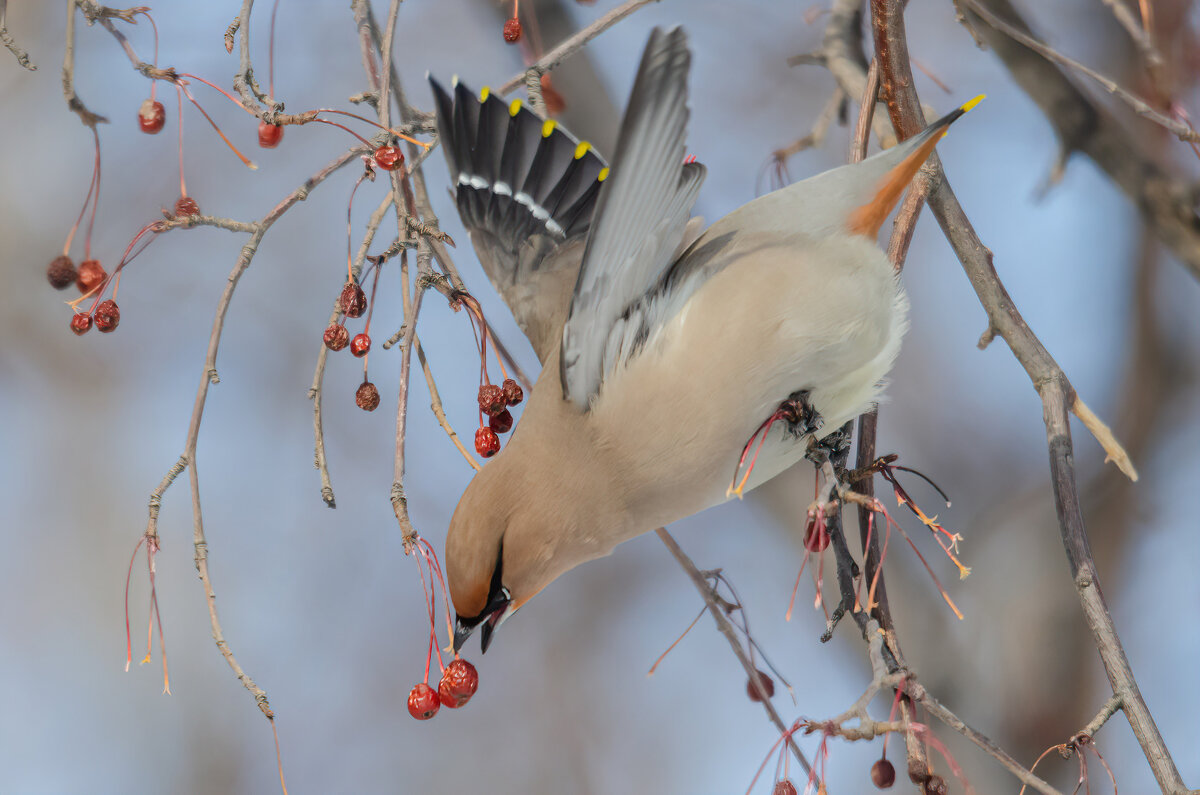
75 104
435 405
1048 379
1164 201
10 43
572 45
726 628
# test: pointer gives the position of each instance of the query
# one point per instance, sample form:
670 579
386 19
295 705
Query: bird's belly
825 317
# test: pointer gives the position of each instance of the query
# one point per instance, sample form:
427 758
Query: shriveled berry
91 275
491 399
768 686
512 30
883 774
186 206
151 116
269 135
81 323
459 682
513 394
501 423
423 702
353 300
61 272
784 787
367 397
935 785
389 158
487 443
336 337
108 316
360 345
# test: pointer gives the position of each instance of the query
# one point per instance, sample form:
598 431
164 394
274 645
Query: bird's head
499 554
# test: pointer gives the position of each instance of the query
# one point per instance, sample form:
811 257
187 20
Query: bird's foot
801 418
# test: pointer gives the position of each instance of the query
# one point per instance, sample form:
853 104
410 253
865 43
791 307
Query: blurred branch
1164 201
1048 379
10 43
727 629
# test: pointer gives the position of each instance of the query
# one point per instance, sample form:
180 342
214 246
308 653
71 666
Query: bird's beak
462 632
489 622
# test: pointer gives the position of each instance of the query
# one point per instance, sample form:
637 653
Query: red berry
186 206
513 394
107 316
768 686
61 272
360 345
512 30
883 774
91 275
389 158
816 539
501 423
353 300
269 135
81 323
459 682
151 116
423 702
367 397
487 443
784 787
336 337
491 399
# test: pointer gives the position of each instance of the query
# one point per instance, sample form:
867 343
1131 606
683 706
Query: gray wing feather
638 224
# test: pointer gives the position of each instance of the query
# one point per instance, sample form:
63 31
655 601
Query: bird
665 345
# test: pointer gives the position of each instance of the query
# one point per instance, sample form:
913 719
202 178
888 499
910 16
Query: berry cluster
353 304
494 402
459 679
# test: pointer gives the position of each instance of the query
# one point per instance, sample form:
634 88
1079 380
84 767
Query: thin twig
727 629
10 43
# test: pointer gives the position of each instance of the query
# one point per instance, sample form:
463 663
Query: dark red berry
389 158
269 135
81 323
367 397
513 394
353 300
91 275
151 116
459 682
512 30
107 316
360 345
768 686
423 702
186 206
61 272
501 423
336 337
487 443
935 785
816 539
883 774
491 399
784 787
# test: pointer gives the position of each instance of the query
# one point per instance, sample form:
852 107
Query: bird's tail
516 175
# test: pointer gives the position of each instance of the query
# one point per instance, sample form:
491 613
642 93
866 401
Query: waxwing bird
664 349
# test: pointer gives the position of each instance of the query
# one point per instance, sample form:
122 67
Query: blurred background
322 607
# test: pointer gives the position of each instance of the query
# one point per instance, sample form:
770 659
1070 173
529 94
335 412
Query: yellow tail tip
970 103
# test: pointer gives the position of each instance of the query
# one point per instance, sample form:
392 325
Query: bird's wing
526 190
639 221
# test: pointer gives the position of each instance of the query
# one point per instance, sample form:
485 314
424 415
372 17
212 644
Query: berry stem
87 200
394 132
182 182
216 88
153 83
128 579
245 160
271 53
